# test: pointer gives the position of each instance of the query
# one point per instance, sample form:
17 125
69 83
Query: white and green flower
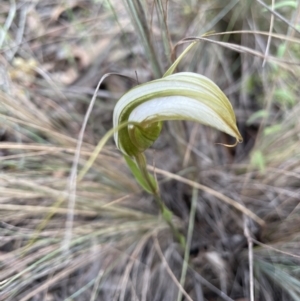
180 96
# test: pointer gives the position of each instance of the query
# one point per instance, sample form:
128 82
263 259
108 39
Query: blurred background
109 242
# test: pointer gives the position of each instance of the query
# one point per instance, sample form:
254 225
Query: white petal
178 108
180 81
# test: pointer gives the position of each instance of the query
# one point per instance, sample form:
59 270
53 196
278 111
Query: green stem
189 241
166 213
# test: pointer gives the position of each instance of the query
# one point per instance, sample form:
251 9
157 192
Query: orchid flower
180 96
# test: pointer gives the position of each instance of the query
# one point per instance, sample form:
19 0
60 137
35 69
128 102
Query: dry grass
117 247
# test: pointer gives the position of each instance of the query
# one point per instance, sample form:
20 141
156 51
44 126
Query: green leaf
272 129
139 176
257 115
283 4
258 160
175 64
291 4
285 97
281 50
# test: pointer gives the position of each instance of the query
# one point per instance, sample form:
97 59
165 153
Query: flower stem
165 212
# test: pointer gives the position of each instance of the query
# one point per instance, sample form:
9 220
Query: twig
237 48
165 263
211 191
73 174
269 37
8 21
20 32
96 285
278 15
190 145
275 249
62 274
211 287
250 255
